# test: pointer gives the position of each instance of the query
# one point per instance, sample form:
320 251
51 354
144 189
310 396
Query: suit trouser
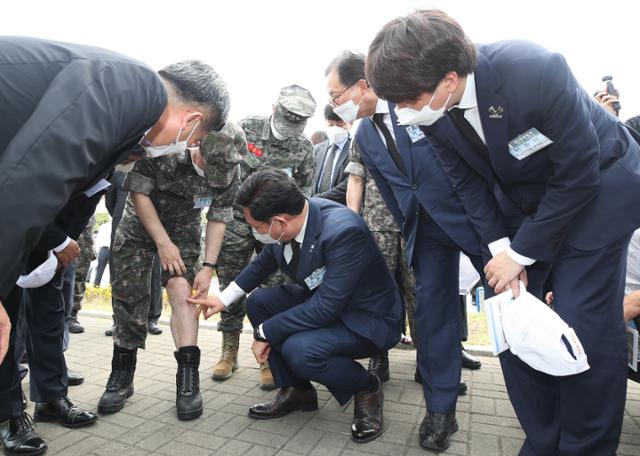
325 355
578 414
10 390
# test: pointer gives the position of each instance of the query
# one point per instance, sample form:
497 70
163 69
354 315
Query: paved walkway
148 424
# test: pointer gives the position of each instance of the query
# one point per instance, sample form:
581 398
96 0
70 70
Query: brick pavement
148 424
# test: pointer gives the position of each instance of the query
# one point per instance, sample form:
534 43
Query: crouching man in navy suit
340 305
546 176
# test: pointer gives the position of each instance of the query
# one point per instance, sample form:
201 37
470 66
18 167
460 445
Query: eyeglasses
332 101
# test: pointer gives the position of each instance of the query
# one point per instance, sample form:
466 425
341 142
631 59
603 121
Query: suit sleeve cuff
62 246
231 294
520 259
499 246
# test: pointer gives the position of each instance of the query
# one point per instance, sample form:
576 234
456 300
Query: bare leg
184 326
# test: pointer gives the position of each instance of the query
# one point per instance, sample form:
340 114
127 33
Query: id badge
202 201
315 279
415 133
528 143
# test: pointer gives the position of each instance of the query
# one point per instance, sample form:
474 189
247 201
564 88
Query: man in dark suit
330 179
548 177
434 226
70 113
342 303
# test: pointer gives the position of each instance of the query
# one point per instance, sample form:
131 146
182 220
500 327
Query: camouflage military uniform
87 255
293 155
387 235
178 194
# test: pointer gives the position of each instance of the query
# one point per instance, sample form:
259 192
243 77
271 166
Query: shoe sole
190 416
76 331
106 409
436 448
76 382
368 439
53 419
13 453
268 387
475 367
308 408
221 378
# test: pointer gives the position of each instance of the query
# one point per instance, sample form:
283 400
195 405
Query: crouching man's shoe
435 430
62 410
367 415
469 361
19 438
120 383
288 399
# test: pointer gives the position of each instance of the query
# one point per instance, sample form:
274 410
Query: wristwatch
213 266
257 336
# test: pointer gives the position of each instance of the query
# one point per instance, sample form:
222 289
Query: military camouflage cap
295 105
222 151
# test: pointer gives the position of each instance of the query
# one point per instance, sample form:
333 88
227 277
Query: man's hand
503 273
211 305
68 254
261 351
202 282
5 331
170 258
606 101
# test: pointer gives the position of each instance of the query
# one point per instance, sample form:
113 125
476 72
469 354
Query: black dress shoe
74 378
154 328
286 401
435 430
368 420
469 361
379 366
19 438
62 410
462 388
109 331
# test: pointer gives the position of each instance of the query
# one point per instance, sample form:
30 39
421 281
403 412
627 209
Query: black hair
269 192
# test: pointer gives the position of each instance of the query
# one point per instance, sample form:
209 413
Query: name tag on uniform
528 143
202 201
315 279
288 170
415 133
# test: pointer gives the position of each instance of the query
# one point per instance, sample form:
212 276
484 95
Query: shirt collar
300 237
382 107
469 99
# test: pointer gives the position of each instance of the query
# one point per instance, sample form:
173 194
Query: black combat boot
120 383
188 399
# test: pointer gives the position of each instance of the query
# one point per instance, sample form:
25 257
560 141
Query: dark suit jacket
582 189
425 185
69 113
356 289
338 190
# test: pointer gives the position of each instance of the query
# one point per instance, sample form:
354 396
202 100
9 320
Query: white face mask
177 147
348 111
277 135
336 134
266 238
125 167
426 116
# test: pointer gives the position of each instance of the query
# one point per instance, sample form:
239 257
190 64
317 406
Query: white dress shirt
469 102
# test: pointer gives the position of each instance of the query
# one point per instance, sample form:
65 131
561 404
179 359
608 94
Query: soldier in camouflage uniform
273 141
87 255
163 214
388 237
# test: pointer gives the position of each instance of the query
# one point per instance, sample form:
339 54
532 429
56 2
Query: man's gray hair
197 83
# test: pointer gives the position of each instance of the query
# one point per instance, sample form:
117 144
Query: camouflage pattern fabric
87 255
386 232
295 157
179 194
294 106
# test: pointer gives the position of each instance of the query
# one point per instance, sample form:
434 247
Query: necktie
391 144
457 115
295 250
327 170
